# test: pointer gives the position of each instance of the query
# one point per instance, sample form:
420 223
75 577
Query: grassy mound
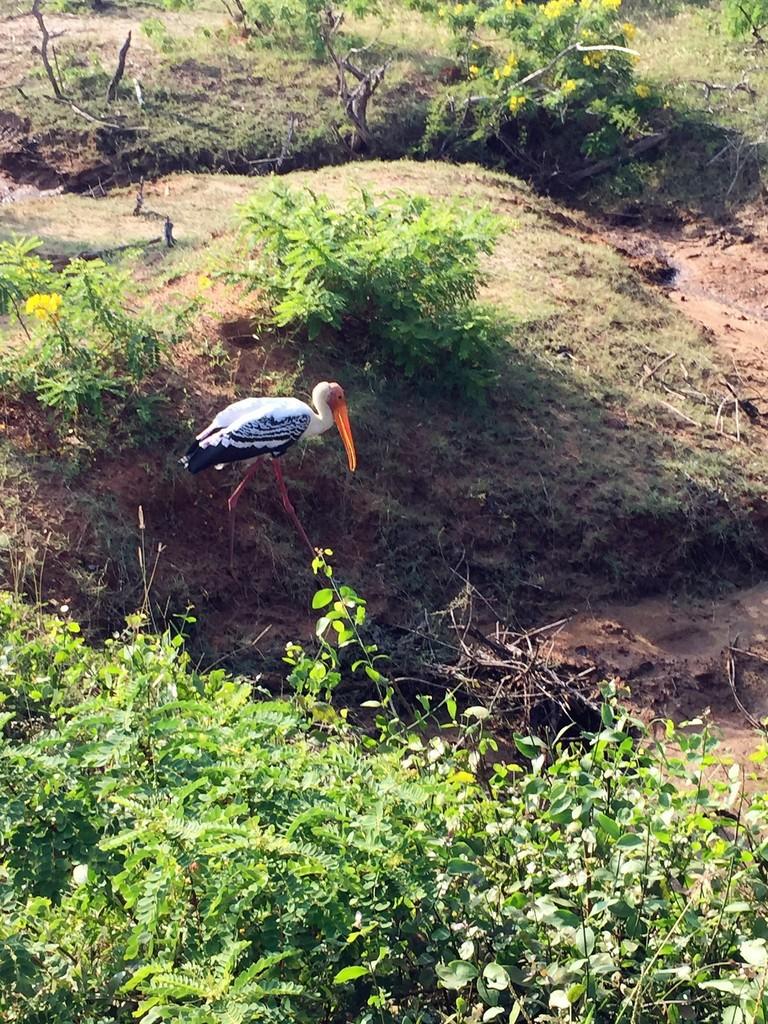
583 473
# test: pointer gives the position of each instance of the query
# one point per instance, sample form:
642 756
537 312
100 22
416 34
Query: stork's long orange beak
341 419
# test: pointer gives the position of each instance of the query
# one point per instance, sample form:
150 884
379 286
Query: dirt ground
674 654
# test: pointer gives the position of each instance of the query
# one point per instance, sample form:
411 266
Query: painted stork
269 426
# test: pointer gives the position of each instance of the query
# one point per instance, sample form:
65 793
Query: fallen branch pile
516 678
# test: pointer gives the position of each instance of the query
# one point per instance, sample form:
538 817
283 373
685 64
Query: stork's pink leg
289 507
231 505
235 495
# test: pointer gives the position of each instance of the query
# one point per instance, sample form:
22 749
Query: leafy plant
397 275
746 18
83 344
177 845
539 75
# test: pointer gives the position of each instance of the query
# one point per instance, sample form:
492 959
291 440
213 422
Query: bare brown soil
674 652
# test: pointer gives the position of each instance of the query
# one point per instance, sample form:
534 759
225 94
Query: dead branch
56 84
678 412
652 371
119 70
740 86
754 28
280 159
731 673
354 100
139 199
643 145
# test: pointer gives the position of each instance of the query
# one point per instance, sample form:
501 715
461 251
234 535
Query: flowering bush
539 71
83 346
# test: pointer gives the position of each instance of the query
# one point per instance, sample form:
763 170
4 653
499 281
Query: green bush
81 345
550 80
175 846
397 276
746 18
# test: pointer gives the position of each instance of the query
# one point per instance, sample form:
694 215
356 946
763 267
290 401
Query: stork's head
332 395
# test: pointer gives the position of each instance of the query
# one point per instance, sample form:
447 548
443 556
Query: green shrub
175 846
746 18
397 276
550 80
82 345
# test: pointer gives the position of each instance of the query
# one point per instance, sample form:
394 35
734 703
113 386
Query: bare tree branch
599 166
119 70
354 100
52 78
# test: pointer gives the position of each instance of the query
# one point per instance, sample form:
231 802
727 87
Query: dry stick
749 654
736 407
280 159
119 70
55 84
731 672
652 372
677 412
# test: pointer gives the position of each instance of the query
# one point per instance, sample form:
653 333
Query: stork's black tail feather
197 459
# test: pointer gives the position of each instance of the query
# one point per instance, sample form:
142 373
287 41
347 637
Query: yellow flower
496 74
510 5
556 8
204 282
442 10
516 103
569 85
474 69
611 5
629 31
43 306
458 8
592 60
642 90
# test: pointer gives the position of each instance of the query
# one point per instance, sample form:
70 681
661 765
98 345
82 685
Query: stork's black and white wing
247 429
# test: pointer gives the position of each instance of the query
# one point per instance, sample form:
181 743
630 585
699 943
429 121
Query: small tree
746 17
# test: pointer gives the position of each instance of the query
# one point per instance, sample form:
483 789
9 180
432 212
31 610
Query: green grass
211 101
714 163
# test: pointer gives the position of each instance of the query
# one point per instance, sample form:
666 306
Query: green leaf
459 866
456 974
347 974
495 976
529 746
607 825
754 952
322 598
558 1000
630 841
585 940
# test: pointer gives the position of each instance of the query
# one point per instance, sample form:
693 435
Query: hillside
586 473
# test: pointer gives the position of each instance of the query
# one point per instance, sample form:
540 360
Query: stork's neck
322 420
